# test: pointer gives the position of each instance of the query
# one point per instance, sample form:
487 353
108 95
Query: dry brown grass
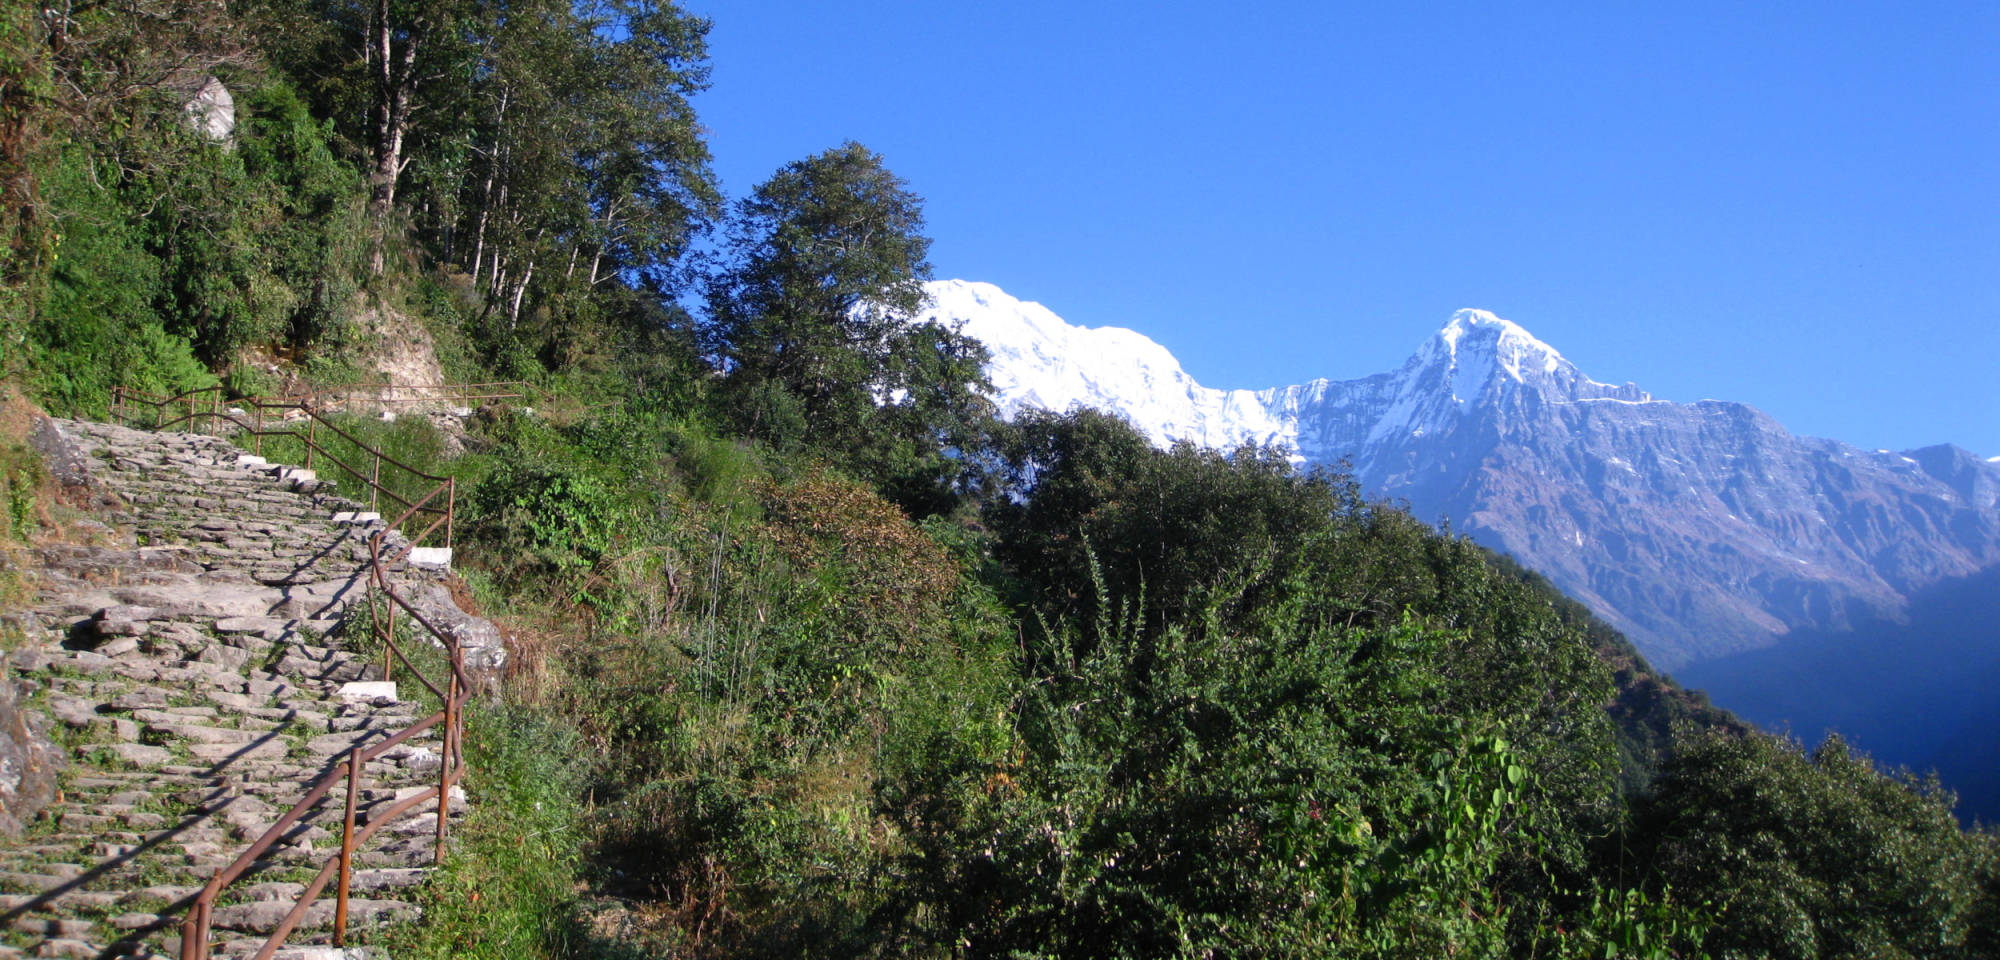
17 414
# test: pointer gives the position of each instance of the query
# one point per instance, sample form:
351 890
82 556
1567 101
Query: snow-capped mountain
1699 529
1041 362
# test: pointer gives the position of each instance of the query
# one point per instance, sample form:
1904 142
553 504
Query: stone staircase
197 673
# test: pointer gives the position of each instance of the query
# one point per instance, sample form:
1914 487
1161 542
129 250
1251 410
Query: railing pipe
444 768
298 911
347 849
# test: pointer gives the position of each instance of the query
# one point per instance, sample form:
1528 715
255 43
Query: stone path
195 672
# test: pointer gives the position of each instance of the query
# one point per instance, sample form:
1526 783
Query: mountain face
1700 529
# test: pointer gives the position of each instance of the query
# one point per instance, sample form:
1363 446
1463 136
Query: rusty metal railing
385 394
383 602
253 416
197 928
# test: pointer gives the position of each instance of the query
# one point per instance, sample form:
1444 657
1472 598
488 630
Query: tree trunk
520 289
486 189
479 238
395 82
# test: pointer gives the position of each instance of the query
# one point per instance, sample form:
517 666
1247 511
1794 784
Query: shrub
559 516
1810 855
885 580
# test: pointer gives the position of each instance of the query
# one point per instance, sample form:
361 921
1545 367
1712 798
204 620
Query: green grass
507 889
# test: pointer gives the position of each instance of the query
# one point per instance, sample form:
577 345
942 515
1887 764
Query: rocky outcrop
200 673
211 111
29 761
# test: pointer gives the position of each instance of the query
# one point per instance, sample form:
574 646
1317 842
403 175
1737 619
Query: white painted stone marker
368 690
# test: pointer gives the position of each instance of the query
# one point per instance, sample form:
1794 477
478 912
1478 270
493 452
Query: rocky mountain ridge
1700 529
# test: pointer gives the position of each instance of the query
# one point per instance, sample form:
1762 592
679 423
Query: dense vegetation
812 656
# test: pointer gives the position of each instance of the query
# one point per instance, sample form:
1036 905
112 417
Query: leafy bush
1214 795
887 582
96 325
1812 855
172 256
560 515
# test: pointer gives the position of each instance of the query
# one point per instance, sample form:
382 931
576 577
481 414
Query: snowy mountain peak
1041 362
1477 345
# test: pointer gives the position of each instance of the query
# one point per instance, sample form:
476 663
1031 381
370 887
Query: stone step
206 686
264 916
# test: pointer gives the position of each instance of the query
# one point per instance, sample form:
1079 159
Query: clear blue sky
1795 205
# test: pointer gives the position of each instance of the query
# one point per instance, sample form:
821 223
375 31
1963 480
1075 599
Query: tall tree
383 69
812 316
547 147
649 188
410 49
1814 854
828 259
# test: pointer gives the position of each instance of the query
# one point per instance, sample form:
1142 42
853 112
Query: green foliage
95 326
23 501
809 318
1630 923
170 262
1811 855
1193 540
562 516
23 480
827 255
548 152
299 240
1214 795
509 887
719 471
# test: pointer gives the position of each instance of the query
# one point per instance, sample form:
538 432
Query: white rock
368 690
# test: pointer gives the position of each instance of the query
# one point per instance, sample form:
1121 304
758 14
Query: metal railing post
312 436
444 768
388 637
346 850
375 483
201 932
259 442
450 507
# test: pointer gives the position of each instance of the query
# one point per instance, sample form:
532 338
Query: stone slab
368 690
